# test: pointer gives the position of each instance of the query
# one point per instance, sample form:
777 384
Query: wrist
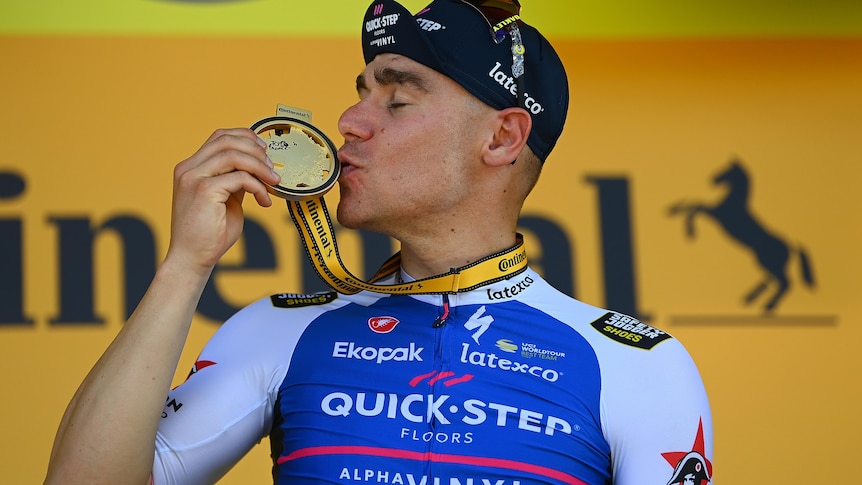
177 267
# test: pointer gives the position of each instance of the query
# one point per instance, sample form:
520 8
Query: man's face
408 147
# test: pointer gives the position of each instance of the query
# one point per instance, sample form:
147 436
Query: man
505 382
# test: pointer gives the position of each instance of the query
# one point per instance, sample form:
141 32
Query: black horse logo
734 216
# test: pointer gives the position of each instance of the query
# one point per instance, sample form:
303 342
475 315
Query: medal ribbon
318 237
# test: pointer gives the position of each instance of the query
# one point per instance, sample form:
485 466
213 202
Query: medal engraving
303 155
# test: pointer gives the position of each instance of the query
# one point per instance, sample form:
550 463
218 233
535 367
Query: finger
241 140
236 184
231 159
229 152
238 132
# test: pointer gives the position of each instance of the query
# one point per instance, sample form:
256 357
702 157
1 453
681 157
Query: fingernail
261 142
268 162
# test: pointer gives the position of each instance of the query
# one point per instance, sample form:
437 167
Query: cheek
422 153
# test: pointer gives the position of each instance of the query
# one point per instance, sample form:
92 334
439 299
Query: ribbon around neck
312 220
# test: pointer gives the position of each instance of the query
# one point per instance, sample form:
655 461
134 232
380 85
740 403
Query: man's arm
107 434
657 417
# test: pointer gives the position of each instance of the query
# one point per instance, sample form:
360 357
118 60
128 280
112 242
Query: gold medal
303 155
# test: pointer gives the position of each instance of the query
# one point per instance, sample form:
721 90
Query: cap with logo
455 38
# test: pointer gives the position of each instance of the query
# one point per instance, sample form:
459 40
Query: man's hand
209 186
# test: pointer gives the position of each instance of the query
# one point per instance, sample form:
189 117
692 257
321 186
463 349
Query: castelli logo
382 324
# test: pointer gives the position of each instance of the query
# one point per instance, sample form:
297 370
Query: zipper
441 319
439 362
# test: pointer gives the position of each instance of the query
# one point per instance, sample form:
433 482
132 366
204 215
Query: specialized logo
509 291
382 324
479 322
734 216
629 331
349 350
294 300
508 82
690 467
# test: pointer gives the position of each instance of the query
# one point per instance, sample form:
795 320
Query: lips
347 165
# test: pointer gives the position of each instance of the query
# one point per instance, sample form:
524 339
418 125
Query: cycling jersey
510 383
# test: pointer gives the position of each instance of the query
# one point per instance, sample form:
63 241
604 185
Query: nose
353 124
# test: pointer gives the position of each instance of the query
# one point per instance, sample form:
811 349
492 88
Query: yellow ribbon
318 237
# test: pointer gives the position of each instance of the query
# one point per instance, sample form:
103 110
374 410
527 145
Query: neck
425 257
482 222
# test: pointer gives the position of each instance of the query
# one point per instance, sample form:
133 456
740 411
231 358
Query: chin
347 219
354 220
348 225
352 213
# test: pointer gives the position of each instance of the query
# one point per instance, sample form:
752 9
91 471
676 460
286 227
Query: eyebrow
387 76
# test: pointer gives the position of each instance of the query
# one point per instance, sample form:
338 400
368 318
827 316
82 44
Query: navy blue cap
453 38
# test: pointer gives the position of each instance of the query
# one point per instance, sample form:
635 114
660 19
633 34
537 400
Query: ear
511 128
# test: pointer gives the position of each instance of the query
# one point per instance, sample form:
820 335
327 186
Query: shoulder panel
629 331
295 300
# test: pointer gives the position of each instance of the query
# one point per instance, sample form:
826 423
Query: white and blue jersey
511 383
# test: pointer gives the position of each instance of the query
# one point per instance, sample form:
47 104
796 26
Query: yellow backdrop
92 124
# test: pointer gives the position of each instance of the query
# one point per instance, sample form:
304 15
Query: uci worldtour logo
506 345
